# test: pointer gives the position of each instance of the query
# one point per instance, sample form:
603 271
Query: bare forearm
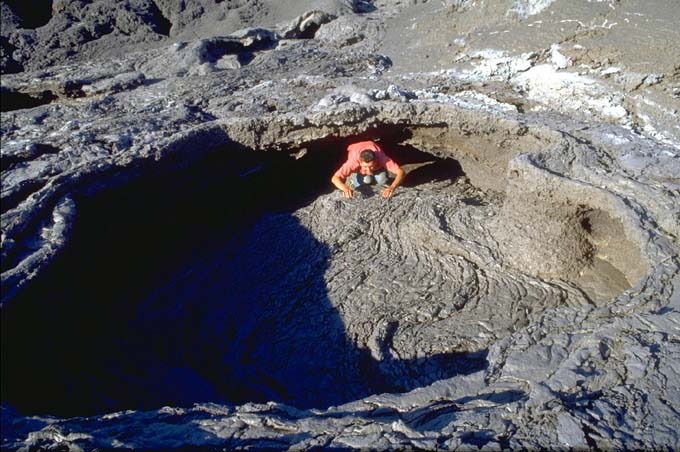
398 178
339 184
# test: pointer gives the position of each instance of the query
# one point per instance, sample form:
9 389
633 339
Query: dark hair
367 155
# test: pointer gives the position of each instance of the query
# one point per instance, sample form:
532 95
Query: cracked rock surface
177 271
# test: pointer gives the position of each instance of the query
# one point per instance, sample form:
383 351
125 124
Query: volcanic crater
241 277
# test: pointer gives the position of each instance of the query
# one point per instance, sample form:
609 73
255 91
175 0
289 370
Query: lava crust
178 272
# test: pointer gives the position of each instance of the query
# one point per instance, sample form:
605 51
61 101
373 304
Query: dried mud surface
177 271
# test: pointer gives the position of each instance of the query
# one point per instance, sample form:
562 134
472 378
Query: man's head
367 160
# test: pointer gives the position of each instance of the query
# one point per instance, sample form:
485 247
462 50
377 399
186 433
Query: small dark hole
309 32
585 224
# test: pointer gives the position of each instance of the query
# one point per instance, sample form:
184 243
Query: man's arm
340 184
399 176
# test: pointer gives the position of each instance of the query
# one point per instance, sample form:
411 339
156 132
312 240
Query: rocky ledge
178 273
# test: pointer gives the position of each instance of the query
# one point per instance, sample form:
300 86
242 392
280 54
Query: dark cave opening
15 100
138 313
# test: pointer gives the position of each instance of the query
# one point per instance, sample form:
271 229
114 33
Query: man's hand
340 185
347 192
387 192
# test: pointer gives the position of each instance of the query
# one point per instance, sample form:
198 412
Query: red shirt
353 165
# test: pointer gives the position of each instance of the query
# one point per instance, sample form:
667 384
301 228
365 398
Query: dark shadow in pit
32 13
8 64
159 22
185 286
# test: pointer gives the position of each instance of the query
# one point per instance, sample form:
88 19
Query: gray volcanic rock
177 271
75 30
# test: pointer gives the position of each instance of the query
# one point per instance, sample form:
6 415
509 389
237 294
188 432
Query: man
367 164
